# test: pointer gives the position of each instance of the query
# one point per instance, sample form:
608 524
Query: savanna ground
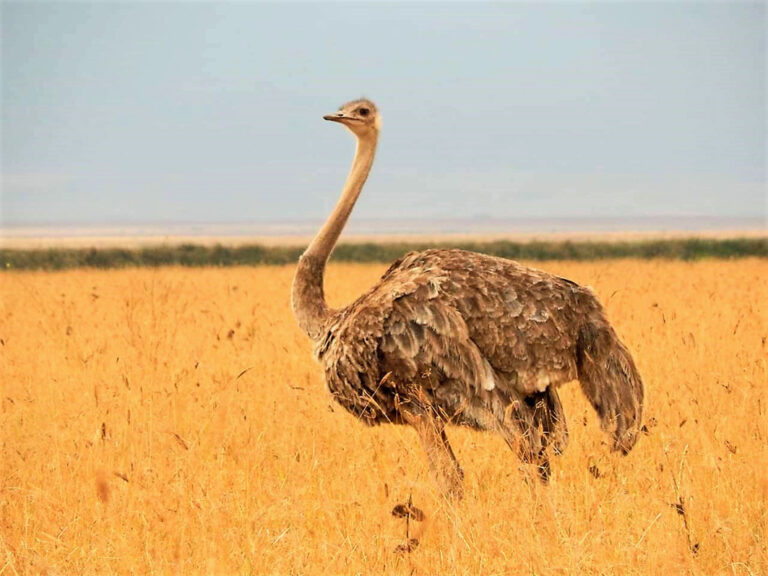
172 420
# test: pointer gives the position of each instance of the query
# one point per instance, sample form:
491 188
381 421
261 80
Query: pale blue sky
139 112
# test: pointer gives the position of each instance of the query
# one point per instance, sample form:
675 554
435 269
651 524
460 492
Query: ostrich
458 337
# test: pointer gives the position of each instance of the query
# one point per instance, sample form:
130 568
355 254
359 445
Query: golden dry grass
173 421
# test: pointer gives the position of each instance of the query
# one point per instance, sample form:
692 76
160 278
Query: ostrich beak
339 117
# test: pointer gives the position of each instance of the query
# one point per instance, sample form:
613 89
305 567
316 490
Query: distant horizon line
475 219
389 226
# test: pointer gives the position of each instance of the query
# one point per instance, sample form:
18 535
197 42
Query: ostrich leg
521 430
442 460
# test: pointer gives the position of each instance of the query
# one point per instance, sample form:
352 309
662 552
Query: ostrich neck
308 299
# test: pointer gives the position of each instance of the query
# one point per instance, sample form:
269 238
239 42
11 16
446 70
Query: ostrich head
360 116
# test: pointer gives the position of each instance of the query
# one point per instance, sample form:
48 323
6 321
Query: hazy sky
115 112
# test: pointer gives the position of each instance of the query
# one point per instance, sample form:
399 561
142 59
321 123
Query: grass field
172 421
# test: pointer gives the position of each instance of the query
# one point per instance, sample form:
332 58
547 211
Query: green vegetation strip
218 255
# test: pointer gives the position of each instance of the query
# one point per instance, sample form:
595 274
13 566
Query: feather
468 330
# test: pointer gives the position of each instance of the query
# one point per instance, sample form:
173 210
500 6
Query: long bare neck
307 297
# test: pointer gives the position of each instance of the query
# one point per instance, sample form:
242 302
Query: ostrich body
458 337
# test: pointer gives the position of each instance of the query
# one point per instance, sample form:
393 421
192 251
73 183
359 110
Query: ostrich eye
363 111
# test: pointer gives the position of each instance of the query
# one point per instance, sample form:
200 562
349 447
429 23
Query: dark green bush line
218 255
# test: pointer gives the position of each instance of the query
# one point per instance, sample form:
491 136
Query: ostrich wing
458 321
405 328
426 333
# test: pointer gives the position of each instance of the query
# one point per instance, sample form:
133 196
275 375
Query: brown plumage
457 337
